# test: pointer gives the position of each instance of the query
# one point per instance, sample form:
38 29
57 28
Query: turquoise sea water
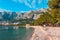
14 34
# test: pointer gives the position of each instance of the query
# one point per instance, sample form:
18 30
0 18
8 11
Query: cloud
23 1
33 4
26 2
2 10
22 11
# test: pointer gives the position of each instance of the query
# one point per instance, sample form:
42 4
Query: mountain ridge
18 15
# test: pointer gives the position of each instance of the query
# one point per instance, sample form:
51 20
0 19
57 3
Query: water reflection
9 27
16 27
13 34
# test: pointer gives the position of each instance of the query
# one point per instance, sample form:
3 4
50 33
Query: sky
22 5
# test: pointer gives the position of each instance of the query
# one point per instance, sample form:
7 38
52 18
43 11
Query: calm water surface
13 34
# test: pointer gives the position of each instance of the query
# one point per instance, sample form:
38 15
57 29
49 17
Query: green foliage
45 18
54 4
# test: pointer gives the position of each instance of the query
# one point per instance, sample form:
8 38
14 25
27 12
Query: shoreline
42 33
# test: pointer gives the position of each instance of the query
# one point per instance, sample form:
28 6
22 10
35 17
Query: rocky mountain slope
17 15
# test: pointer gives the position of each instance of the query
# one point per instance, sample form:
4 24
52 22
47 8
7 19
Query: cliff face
7 15
17 15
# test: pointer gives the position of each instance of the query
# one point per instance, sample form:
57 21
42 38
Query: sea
11 33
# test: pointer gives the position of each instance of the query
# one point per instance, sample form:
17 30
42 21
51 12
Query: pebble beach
48 33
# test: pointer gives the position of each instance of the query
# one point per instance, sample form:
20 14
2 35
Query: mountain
8 16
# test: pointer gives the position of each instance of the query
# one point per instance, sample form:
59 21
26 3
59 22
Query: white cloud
33 3
23 11
26 2
2 10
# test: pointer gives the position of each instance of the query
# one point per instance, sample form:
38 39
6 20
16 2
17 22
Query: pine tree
54 5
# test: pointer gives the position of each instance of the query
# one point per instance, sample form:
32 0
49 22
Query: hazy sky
22 5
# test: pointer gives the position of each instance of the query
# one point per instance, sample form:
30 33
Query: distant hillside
8 16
